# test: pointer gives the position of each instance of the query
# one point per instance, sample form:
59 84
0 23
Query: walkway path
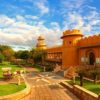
44 86
50 92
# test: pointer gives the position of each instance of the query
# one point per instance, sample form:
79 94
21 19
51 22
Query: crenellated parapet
72 32
90 40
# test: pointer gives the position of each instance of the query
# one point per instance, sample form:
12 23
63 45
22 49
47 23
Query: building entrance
91 58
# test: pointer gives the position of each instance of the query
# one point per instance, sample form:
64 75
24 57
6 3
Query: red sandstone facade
75 50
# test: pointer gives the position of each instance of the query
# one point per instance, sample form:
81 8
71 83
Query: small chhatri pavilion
41 43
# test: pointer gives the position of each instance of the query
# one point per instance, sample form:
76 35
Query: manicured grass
10 88
6 89
88 85
8 64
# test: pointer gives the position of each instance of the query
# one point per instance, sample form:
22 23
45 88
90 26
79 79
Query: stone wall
81 92
90 40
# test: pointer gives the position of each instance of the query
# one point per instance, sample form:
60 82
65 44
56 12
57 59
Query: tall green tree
81 72
1 58
22 55
37 55
7 51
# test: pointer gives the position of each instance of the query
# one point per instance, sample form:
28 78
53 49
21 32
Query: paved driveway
45 86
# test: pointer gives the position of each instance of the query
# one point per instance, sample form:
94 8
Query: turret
41 43
70 37
70 53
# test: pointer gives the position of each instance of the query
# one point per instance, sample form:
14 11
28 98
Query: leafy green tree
37 55
7 51
1 58
81 72
31 53
94 74
17 54
24 55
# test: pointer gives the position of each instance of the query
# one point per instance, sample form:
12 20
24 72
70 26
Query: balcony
57 60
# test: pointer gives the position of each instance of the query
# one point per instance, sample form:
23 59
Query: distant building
75 50
41 43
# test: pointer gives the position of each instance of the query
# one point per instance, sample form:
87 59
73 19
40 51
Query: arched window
91 58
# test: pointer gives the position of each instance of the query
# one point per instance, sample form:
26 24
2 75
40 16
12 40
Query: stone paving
45 86
50 92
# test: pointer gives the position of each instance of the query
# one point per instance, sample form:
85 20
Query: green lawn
8 64
88 85
6 89
10 88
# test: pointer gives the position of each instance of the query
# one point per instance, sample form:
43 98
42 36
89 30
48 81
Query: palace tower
41 43
70 52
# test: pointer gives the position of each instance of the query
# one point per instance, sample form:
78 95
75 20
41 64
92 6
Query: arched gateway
91 58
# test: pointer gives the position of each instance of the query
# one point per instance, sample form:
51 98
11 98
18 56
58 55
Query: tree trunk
95 79
81 80
0 61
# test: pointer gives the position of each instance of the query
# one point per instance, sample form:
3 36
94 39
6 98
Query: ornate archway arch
90 54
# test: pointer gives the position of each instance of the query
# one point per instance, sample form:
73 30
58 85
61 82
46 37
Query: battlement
73 31
90 40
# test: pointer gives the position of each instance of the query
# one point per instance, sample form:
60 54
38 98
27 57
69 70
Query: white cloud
55 25
19 33
73 20
70 4
6 21
32 17
20 18
79 14
85 23
42 7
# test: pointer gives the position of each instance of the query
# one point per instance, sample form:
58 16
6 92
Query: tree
94 73
38 56
31 53
1 58
22 54
17 54
81 72
7 51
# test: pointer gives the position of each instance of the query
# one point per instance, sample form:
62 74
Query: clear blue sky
22 21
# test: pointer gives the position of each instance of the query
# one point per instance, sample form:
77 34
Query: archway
91 58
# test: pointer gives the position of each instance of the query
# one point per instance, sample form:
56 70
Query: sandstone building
75 50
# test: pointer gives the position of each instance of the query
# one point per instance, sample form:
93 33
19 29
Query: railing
54 59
